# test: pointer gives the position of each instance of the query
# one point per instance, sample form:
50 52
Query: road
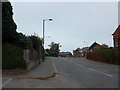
72 73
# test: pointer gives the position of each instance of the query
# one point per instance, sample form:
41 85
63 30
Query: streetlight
86 49
44 35
86 43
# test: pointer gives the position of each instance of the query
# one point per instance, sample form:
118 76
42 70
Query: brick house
77 53
84 51
94 46
92 54
65 54
116 38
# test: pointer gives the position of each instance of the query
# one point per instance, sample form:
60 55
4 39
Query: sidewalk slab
44 69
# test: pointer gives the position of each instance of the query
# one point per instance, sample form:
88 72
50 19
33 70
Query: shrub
35 42
12 57
109 55
8 25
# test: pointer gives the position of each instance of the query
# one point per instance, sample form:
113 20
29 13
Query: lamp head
50 19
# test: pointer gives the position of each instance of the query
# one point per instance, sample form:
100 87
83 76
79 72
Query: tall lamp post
86 43
44 36
86 49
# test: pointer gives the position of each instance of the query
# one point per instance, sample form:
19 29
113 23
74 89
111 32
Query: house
77 52
65 54
84 51
116 38
94 46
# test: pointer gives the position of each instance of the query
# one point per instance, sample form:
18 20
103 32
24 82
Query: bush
34 42
12 57
109 55
9 27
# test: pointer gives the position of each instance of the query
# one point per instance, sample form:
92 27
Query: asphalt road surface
72 73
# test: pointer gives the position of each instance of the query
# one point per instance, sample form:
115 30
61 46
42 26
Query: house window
91 50
116 42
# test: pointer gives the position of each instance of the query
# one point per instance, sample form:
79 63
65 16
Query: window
116 42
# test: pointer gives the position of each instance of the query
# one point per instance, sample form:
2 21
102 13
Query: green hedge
12 57
109 55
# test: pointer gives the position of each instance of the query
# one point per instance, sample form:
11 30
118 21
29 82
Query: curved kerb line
41 78
54 73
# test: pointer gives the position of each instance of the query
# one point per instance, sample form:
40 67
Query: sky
75 24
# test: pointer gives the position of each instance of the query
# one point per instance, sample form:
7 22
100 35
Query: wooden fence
94 56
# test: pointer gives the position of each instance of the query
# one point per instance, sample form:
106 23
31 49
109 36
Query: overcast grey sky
73 22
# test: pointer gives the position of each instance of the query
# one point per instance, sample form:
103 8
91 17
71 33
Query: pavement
44 70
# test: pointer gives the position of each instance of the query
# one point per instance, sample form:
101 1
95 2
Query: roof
85 48
117 31
78 49
94 45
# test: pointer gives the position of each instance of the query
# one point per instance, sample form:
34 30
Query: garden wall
32 58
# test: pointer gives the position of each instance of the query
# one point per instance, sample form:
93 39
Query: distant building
77 52
65 54
116 38
84 51
94 46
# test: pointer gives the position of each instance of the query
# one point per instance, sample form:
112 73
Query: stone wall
32 58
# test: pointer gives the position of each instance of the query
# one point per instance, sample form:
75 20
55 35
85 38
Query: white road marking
116 69
54 67
77 64
96 64
63 58
105 66
6 82
92 69
0 83
100 72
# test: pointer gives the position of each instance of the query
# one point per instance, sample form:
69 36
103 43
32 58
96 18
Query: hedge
109 55
12 57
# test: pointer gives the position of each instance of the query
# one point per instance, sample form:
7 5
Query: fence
94 56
